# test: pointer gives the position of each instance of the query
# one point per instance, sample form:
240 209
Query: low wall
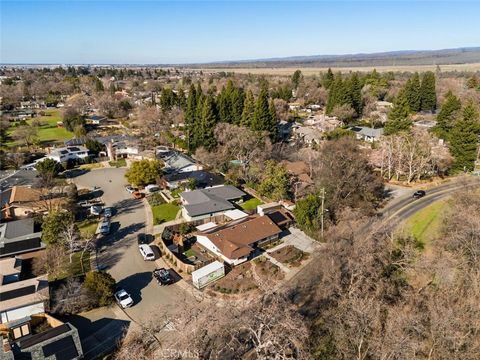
176 263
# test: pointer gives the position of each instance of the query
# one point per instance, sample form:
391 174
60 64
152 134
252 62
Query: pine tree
328 79
248 110
181 101
356 94
427 92
197 126
447 115
190 113
334 93
399 115
261 116
412 91
236 99
209 121
464 138
273 123
297 77
225 103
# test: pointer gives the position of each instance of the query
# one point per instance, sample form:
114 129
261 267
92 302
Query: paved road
119 250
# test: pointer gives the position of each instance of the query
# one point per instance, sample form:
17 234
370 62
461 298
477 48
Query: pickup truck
163 276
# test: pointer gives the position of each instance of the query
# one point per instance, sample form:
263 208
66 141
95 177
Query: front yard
289 255
164 212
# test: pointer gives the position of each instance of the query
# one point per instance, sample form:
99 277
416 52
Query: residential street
118 252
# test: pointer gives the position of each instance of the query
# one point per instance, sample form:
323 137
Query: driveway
118 252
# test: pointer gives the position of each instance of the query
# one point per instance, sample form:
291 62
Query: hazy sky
183 32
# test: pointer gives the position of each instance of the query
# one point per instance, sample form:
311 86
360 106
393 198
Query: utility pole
322 197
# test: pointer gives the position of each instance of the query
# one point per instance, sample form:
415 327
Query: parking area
118 252
299 239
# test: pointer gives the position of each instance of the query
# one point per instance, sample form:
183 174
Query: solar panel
12 294
63 349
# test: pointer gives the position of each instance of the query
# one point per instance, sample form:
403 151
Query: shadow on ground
134 284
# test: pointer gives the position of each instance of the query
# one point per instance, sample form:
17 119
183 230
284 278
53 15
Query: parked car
163 276
419 194
137 195
96 209
105 227
130 189
152 188
123 298
108 212
147 252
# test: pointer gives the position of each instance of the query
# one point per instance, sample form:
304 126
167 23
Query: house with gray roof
178 162
205 203
367 134
18 237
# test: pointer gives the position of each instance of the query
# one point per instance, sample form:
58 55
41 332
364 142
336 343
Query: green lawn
87 228
426 224
76 267
165 212
118 163
189 253
48 132
251 204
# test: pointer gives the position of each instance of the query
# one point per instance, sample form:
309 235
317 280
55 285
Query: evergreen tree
447 115
190 113
248 110
197 125
334 93
399 115
412 91
209 121
356 94
261 116
427 92
225 103
236 99
297 77
464 138
328 79
181 101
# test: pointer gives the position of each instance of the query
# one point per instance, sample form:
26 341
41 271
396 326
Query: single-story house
367 134
25 201
236 243
67 153
203 179
18 237
308 135
178 162
205 203
24 298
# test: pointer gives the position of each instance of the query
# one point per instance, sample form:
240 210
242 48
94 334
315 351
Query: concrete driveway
118 252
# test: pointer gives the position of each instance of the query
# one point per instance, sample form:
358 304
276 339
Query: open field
284 71
48 132
426 224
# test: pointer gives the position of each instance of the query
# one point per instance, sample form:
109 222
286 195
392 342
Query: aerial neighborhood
241 210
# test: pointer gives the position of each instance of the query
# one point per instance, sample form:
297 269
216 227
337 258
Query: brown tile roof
21 194
235 241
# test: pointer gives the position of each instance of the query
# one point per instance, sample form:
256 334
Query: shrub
102 285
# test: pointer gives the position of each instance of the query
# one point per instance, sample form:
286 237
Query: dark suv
419 194
163 276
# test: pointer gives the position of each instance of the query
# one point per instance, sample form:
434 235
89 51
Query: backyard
251 204
164 212
48 131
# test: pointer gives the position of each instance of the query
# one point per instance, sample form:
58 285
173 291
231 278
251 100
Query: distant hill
394 58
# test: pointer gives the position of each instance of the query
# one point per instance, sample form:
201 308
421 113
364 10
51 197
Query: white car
130 189
123 298
146 252
152 188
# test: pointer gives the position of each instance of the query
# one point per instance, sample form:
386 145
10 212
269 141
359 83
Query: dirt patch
239 280
267 271
290 255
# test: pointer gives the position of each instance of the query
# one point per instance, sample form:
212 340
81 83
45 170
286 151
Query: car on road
130 189
105 227
96 209
137 195
419 194
163 276
147 252
123 298
108 212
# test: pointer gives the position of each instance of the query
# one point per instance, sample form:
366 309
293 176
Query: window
21 331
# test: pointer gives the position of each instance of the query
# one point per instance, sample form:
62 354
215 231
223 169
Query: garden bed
289 255
239 280
266 270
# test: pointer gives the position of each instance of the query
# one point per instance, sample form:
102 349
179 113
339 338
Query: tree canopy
144 172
